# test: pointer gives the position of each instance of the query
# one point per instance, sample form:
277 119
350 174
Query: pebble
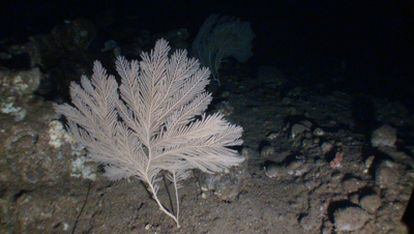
386 175
370 203
318 132
297 130
368 162
272 136
352 185
384 136
273 170
267 151
350 218
326 147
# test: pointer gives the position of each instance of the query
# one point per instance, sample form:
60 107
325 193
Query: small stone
337 161
272 135
350 218
354 198
370 203
368 162
204 188
273 170
384 136
297 130
226 186
309 222
352 185
387 175
294 165
267 151
307 143
318 132
326 147
297 168
399 156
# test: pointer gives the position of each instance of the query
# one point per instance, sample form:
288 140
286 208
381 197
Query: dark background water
372 40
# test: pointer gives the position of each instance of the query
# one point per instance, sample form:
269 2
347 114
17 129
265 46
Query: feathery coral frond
149 123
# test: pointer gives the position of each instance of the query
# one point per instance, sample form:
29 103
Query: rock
370 203
337 161
37 151
310 222
398 156
16 91
307 143
226 186
368 163
384 136
275 170
350 218
327 147
351 185
354 198
63 41
387 175
298 130
295 164
318 132
272 136
267 152
297 168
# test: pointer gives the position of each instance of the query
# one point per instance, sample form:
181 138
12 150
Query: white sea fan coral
153 122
